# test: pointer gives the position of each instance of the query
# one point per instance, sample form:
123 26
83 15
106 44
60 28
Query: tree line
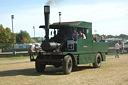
121 36
7 38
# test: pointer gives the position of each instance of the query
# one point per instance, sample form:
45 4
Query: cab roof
74 24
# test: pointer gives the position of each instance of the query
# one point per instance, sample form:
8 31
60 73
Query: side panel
100 47
82 57
84 47
86 58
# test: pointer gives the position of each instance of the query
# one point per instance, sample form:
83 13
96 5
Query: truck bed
100 46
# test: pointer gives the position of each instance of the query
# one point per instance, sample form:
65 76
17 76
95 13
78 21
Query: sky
107 16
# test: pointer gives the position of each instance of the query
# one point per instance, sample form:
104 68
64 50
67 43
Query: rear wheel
40 67
98 60
67 64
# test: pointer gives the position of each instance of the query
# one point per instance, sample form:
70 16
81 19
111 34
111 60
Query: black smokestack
46 16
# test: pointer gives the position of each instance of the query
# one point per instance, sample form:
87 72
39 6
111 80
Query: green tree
23 37
110 36
123 36
1 33
24 40
6 37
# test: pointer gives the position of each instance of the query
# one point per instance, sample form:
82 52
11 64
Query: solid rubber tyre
39 66
67 64
98 61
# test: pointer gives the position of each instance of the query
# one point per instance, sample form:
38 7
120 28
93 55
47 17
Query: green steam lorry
62 50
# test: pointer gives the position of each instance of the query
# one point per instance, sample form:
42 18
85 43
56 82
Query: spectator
81 35
117 47
102 39
30 53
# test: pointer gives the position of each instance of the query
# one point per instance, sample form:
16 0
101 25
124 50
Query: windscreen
62 34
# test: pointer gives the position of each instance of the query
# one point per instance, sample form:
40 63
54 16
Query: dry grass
114 71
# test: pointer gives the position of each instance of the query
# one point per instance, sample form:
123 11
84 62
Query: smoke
51 2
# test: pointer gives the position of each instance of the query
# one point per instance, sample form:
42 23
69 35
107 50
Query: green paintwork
87 49
100 46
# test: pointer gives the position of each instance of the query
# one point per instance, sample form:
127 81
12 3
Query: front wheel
40 67
98 60
67 64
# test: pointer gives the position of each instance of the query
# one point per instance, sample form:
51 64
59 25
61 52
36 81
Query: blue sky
107 16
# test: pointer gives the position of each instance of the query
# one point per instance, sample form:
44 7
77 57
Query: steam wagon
62 50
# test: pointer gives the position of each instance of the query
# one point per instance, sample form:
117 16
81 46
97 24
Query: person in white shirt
117 47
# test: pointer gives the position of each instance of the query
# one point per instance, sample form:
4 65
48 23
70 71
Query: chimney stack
46 16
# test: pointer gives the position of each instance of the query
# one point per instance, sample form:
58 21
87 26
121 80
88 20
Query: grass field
114 71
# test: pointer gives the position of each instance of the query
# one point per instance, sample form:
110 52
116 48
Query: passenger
81 35
102 39
94 38
74 35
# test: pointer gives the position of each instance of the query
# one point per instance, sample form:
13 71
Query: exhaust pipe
46 16
46 45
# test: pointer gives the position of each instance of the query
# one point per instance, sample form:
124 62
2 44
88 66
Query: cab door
84 48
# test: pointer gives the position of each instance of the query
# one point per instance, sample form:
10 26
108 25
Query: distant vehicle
21 46
62 50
